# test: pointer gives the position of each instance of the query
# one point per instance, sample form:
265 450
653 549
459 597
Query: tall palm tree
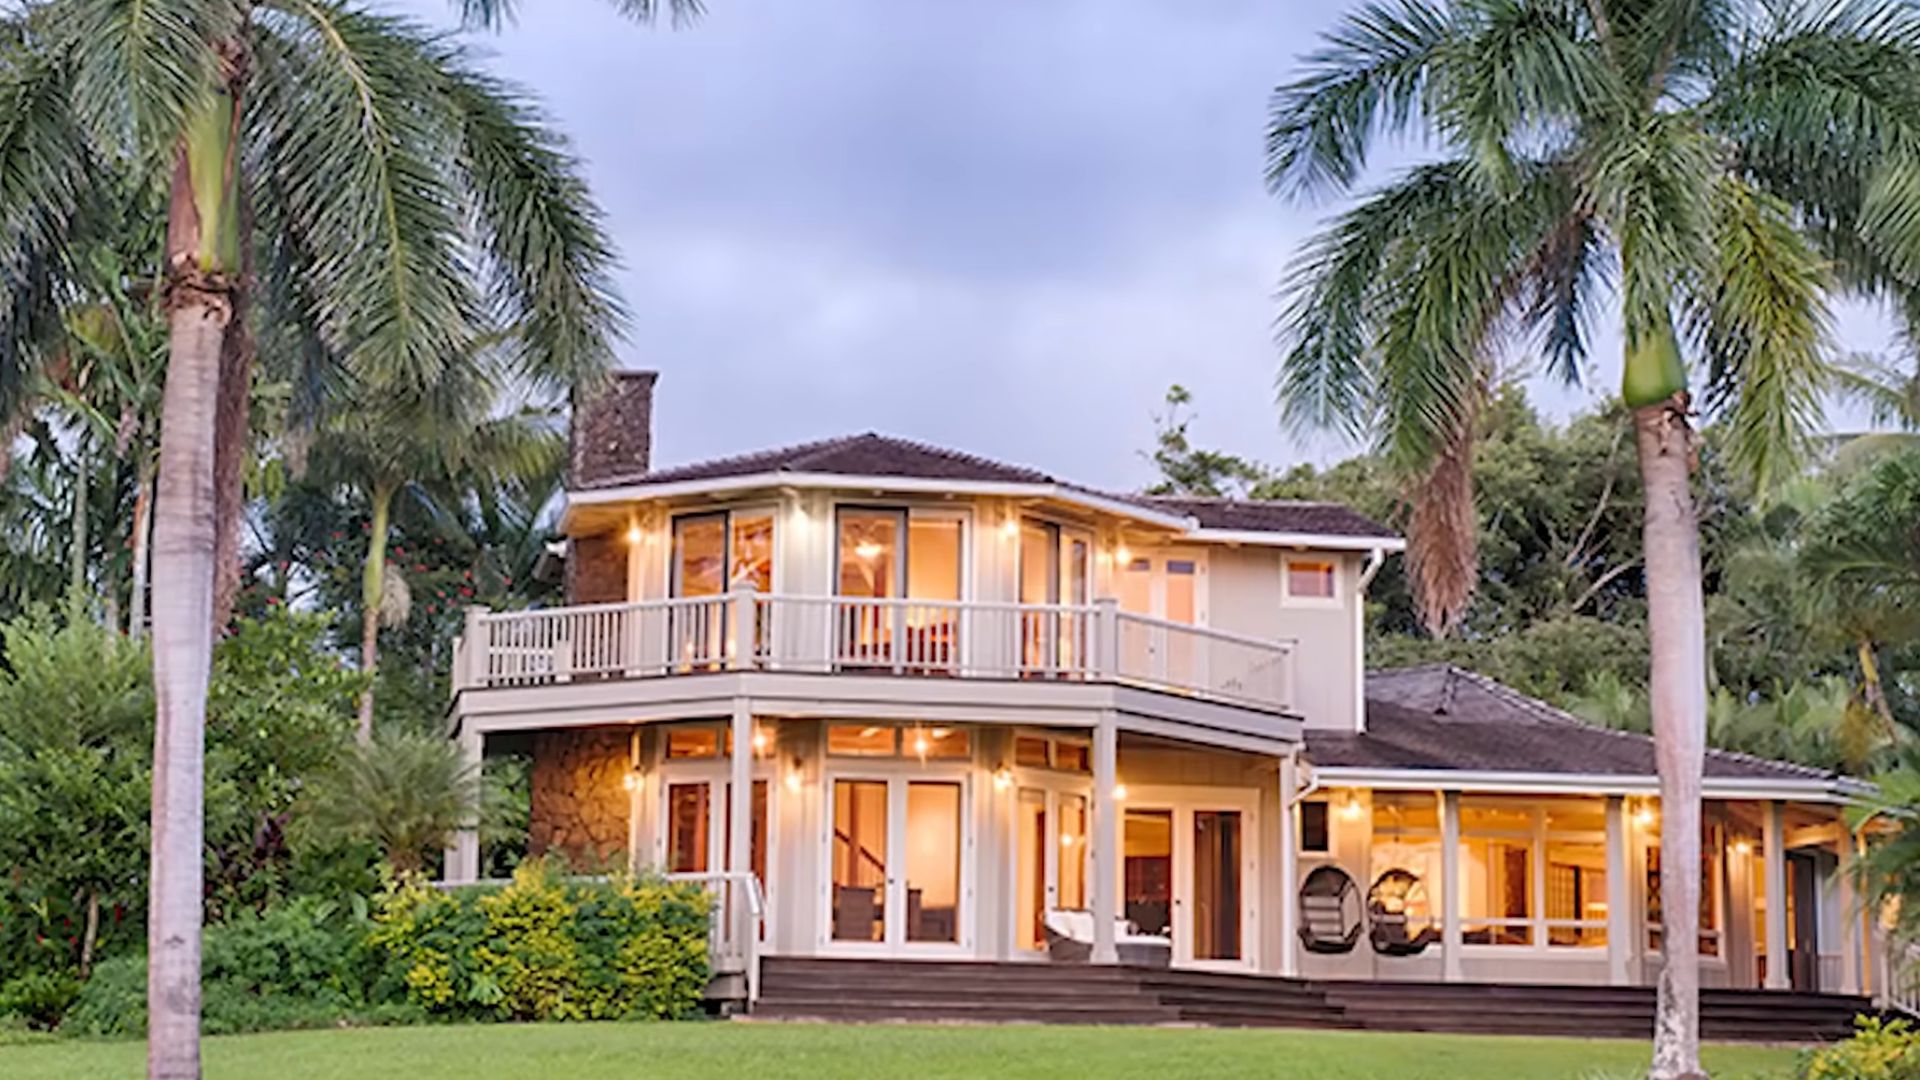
442 443
389 198
1713 167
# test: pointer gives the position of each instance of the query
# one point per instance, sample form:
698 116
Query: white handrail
871 635
726 927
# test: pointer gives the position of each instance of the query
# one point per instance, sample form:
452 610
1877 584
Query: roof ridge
953 454
1229 500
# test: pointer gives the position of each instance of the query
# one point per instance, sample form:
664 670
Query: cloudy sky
1001 225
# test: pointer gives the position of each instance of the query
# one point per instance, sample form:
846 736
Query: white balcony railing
951 638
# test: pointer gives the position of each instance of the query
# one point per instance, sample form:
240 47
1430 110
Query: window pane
753 552
1073 757
1576 890
1030 891
700 555
870 553
856 740
1073 852
933 559
1030 752
1039 568
1147 844
692 743
1310 579
1496 817
1216 884
939 743
1314 834
933 861
1406 812
1079 571
859 860
1496 884
687 828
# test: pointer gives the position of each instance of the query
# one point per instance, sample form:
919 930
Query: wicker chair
1330 918
1391 903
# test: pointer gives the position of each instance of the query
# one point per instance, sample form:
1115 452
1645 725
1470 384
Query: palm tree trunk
232 439
373 581
201 259
1676 628
77 553
1875 693
141 548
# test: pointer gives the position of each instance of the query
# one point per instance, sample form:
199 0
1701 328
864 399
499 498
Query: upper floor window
890 740
724 550
887 553
1046 752
1056 564
1312 579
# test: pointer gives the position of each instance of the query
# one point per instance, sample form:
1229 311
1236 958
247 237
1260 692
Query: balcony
932 639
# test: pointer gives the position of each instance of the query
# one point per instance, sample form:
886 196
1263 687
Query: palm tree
390 198
443 443
407 795
1715 168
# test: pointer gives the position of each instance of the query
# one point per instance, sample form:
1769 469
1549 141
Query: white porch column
1289 865
1774 853
463 856
740 813
1620 937
1450 968
1106 837
1850 960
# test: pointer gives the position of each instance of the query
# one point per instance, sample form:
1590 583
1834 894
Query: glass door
1187 874
896 873
909 568
1168 586
1050 861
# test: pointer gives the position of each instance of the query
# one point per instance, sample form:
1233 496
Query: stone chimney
612 434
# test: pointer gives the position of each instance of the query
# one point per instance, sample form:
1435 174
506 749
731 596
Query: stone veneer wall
597 570
611 438
580 800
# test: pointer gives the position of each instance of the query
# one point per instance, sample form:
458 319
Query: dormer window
1312 580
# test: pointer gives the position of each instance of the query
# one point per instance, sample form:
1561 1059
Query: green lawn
759 1051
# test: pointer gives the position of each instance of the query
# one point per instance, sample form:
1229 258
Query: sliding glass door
1187 870
900 577
1050 860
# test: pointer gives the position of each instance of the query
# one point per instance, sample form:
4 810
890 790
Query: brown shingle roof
868 454
1441 717
873 454
1273 515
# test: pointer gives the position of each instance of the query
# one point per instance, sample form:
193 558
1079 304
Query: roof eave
906 484
1323 541
1811 789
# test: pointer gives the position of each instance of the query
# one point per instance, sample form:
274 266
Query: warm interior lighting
793 780
1067 839
1002 778
1741 847
920 743
760 742
1643 816
867 549
1350 809
1120 792
633 534
1122 556
1010 528
631 781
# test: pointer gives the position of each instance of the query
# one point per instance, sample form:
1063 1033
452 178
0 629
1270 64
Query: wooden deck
796 988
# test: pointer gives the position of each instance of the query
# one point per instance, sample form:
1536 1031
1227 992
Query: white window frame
1287 595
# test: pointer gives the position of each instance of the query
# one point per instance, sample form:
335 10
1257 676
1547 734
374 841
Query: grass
831 1052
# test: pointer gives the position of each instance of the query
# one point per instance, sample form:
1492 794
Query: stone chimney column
611 439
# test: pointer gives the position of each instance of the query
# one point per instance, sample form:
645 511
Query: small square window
939 743
1073 757
686 743
858 740
1030 752
1314 835
1310 579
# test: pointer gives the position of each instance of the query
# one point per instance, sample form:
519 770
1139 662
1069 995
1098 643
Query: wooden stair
849 990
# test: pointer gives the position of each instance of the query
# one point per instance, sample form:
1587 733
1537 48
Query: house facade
893 700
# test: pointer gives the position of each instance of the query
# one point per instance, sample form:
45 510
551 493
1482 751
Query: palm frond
1369 77
1762 318
140 66
1646 179
494 14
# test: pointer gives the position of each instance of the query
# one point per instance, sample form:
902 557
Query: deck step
940 991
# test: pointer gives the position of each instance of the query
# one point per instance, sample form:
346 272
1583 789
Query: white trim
900 484
1839 790
1322 541
1288 598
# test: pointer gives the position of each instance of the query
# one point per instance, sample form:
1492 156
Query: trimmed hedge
543 947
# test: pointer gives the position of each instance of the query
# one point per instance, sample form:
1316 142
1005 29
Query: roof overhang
1318 541
1823 789
914 485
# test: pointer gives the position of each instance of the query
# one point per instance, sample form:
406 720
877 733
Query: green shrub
545 948
1878 1050
38 999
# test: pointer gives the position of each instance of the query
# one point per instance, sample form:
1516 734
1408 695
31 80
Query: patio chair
1069 934
1392 904
1330 920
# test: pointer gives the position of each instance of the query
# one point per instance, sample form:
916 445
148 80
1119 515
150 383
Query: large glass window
1147 861
1073 852
1533 874
859 860
933 861
1406 837
1712 891
1217 838
713 553
887 555
688 828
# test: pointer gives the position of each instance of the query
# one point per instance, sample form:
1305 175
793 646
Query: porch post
1850 965
1450 969
1106 837
740 816
1289 864
463 855
1620 938
1773 852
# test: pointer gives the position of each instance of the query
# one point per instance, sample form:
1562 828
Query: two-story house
902 701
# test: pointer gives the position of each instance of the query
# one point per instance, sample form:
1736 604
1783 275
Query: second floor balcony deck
958 639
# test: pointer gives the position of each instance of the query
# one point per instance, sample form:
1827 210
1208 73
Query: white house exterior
923 700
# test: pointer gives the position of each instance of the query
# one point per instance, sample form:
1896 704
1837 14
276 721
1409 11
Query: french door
1189 872
1170 586
1050 859
898 879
